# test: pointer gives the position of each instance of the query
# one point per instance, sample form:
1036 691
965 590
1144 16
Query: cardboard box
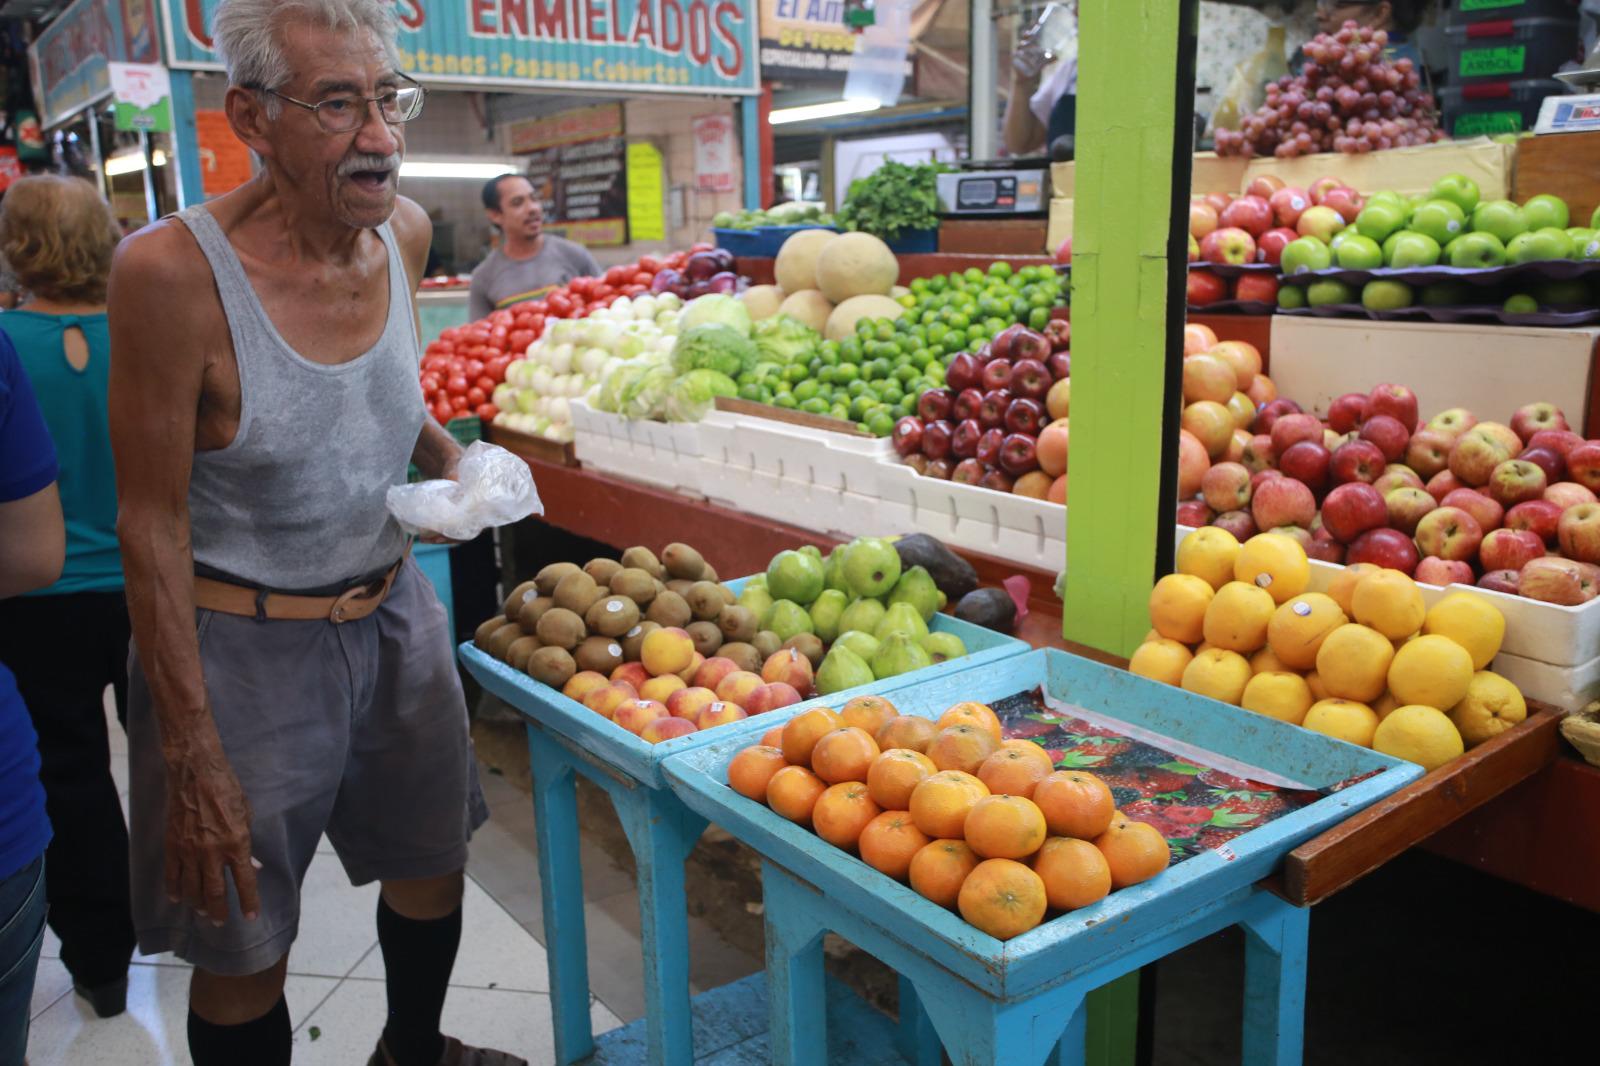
1405 170
992 236
1060 224
1212 173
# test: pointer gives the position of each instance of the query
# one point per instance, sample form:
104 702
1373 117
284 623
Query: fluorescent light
118 165
831 109
419 168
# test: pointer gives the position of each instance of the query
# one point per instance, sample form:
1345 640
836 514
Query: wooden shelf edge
524 446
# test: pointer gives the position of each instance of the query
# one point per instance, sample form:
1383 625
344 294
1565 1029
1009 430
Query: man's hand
208 834
1029 59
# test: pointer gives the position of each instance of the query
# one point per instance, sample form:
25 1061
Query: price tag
1487 62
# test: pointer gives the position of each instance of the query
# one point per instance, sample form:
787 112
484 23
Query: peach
720 713
790 667
1052 448
667 651
634 715
583 683
668 728
688 672
710 674
661 688
771 697
605 701
738 687
689 702
633 673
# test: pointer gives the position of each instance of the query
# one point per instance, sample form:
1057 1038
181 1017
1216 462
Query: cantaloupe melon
762 301
856 264
808 306
842 323
796 266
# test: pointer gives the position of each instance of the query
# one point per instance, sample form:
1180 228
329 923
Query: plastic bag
492 488
1247 88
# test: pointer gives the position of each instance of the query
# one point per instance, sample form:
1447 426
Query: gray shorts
357 730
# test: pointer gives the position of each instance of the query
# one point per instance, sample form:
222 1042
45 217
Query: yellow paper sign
646 221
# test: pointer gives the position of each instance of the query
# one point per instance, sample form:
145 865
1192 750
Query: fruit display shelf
664 454
1020 529
1479 284
1013 1001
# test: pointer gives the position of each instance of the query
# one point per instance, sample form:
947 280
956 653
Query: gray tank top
296 501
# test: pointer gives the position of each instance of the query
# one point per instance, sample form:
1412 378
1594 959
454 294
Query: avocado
954 576
990 608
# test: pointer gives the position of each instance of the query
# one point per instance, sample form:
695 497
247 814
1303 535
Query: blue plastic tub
763 242
915 242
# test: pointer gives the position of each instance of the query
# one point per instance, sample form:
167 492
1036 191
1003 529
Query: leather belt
353 604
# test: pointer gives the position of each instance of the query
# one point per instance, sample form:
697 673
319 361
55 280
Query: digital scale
991 191
1572 114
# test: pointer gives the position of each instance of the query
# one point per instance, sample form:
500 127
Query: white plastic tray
663 454
829 461
1019 529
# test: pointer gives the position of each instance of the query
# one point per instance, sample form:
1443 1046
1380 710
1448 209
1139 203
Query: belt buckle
339 614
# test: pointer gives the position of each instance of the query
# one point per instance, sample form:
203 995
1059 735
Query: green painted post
1134 138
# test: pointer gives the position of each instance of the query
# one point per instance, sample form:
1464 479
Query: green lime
816 405
1000 270
786 401
805 390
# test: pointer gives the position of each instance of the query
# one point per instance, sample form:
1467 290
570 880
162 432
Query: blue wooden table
1020 1002
566 739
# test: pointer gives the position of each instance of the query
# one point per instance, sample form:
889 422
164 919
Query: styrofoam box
1489 369
663 454
1019 529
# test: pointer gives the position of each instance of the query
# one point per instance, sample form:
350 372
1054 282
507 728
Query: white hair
247 35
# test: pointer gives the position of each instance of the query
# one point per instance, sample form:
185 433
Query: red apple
1487 511
1026 416
1358 460
1064 251
1579 532
1509 549
1257 288
1560 441
1455 421
968 401
1443 484
1507 581
1292 429
1060 364
996 375
1322 187
1017 343
998 481
1226 487
1436 571
1476 453
908 436
993 407
1229 245
1288 204
1515 481
1540 516
1030 379
1308 462
1352 509
1534 417
1324 548
1396 401
1193 462
1018 454
1205 288
965 372
1299 534
1567 582
940 469
1321 222
1263 475
1203 220
1547 460
936 439
964 441
1387 548
1583 464
1194 514
1239 523
1346 201
1283 501
1249 213
1388 433
988 452
1347 412
935 404
1566 494
1272 243
1449 533
1429 451
1269 413
1407 507
968 472
1258 454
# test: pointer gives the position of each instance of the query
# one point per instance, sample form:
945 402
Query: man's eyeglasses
348 111
1338 5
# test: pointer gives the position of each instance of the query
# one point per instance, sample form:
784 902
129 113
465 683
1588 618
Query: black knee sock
417 959
263 1042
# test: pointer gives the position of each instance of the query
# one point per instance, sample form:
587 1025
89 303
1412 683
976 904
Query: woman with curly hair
68 642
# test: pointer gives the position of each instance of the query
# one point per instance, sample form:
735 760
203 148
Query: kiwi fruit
552 666
532 611
680 586
602 570
633 640
577 593
705 601
521 651
807 644
519 595
767 643
644 559
743 655
561 628
548 578
706 636
612 616
480 639
635 584
683 561
709 574
669 609
501 639
600 654
738 624
729 597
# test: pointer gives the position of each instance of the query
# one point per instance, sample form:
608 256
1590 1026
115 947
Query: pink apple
1348 412
1407 507
1194 514
1449 533
1288 204
1535 417
1249 213
1205 288
1443 484
1455 421
1388 433
1320 222
1352 509
1258 454
1239 523
1306 461
1563 581
1228 245
1516 480
1236 447
1548 460
1566 494
1203 220
1583 464
1358 460
1324 548
1291 429
1477 453
1322 187
1579 532
1397 476
1509 549
1429 451
1299 534
1487 511
1265 186
1507 581
1396 401
1540 516
1272 243
1193 462
1226 487
1560 441
1346 201
1257 288
1270 412
1263 475
1388 548
1435 571
1502 433
1283 501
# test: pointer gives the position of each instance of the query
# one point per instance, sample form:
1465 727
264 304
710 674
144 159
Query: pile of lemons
1367 661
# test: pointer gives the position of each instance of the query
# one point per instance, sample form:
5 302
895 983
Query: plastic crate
741 242
1018 529
1510 49
1466 12
1483 109
915 242
763 242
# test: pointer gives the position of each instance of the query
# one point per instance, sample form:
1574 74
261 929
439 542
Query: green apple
1359 253
1539 246
1501 219
1477 250
1459 190
1342 236
1387 196
1567 294
1589 249
1580 235
1521 304
1440 219
1445 294
1546 211
1413 250
1291 297
1594 219
1329 291
1378 220
1389 246
1304 254
1386 295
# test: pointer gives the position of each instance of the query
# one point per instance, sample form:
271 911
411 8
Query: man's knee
236 1000
425 899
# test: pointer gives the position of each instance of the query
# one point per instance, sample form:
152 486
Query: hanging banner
646 193
71 59
715 155
808 41
143 95
703 47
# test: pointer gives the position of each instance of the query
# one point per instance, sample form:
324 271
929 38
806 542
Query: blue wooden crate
1074 943
608 744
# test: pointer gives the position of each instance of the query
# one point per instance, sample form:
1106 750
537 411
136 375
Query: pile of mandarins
970 820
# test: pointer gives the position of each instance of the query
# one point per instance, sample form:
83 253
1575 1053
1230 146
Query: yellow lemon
1492 705
1208 553
1319 691
1299 627
1432 671
1278 694
1276 563
1178 607
1353 663
1344 720
1266 660
1389 602
1218 673
1385 704
1344 583
1237 618
1161 660
1418 734
1472 622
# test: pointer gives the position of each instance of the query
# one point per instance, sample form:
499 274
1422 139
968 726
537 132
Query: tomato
524 318
473 368
496 368
651 263
537 327
456 385
519 339
701 246
642 277
443 412
459 404
475 396
485 381
503 317
635 290
602 291
486 412
498 334
561 305
430 382
450 335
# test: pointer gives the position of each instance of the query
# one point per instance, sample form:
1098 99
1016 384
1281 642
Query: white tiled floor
499 994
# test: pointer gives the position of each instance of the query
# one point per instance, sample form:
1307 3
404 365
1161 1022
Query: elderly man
529 261
292 672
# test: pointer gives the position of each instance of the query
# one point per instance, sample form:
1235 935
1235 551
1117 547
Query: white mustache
357 163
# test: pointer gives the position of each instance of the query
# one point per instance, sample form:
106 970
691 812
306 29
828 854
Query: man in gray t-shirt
529 261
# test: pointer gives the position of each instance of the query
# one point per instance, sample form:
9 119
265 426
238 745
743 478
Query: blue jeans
22 910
